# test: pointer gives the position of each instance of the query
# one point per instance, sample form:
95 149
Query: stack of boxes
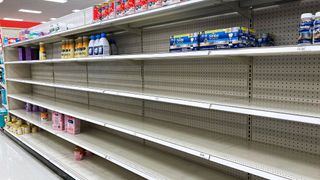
235 37
65 123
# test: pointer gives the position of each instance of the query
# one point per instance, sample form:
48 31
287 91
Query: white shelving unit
249 113
241 108
149 163
57 151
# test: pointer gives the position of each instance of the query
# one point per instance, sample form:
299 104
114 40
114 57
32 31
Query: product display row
119 8
60 121
235 37
110 9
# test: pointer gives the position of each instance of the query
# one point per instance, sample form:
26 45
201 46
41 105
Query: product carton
169 2
184 42
72 124
57 121
152 4
129 7
120 8
141 5
111 9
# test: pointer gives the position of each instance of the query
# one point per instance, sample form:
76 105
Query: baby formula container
91 45
96 45
104 46
316 30
306 29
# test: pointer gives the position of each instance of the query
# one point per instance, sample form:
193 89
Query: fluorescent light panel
57 1
30 11
12 19
52 19
76 10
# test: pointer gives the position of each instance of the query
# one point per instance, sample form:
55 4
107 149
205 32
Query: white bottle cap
306 15
317 15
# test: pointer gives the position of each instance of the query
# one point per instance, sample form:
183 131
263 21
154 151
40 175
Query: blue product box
235 37
184 42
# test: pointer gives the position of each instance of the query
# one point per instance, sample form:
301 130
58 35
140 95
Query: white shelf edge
206 105
51 160
232 53
155 56
181 148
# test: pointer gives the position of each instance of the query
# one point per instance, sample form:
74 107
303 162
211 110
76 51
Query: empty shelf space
234 106
147 162
256 158
60 153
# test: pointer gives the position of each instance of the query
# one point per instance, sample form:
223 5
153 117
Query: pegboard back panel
42 72
43 91
293 135
128 43
119 75
116 103
70 73
71 95
206 79
214 121
283 21
157 39
290 83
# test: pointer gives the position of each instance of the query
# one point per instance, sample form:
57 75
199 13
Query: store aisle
17 164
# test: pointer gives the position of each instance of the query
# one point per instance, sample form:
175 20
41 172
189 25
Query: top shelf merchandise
253 112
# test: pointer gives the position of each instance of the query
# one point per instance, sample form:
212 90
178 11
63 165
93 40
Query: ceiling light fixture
1 1
76 10
52 19
57 1
43 22
30 11
12 19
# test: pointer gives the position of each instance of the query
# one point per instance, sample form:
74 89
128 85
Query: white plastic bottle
104 46
96 45
91 46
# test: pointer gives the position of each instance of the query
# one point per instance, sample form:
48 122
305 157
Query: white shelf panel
155 15
227 53
156 56
268 161
234 107
147 162
59 153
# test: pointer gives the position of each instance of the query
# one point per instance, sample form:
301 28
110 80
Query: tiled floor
17 164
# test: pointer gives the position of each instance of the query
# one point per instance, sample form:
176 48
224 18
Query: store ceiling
9 8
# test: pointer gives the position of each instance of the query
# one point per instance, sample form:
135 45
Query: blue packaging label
306 25
96 50
90 51
184 42
100 50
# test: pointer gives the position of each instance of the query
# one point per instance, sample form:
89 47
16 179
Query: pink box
72 124
57 121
